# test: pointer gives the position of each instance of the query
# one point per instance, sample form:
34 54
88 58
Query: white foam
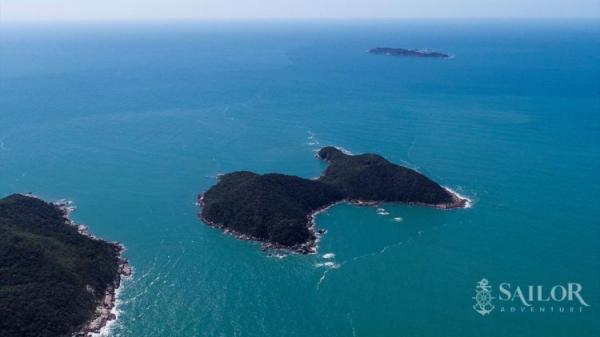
344 150
328 256
398 219
278 255
332 265
328 264
382 211
322 279
312 140
469 202
106 330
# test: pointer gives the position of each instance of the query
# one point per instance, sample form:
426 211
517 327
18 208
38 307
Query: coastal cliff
56 279
279 209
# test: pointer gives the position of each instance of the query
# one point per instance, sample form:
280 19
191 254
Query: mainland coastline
106 311
74 274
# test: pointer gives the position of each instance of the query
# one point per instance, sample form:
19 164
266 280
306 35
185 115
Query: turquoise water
132 121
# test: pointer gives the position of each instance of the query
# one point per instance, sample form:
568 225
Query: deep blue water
133 120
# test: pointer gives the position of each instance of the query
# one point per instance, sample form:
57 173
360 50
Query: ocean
132 121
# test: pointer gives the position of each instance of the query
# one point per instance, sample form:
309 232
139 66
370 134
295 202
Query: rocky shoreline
311 246
106 309
279 210
308 247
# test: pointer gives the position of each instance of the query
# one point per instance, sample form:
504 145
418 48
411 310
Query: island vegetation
408 52
55 280
279 209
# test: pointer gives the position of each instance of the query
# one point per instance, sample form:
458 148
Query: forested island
408 52
55 279
279 209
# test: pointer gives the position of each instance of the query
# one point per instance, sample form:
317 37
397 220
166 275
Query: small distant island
279 209
408 52
55 278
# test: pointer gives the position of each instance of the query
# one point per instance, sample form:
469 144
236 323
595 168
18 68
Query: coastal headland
57 279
